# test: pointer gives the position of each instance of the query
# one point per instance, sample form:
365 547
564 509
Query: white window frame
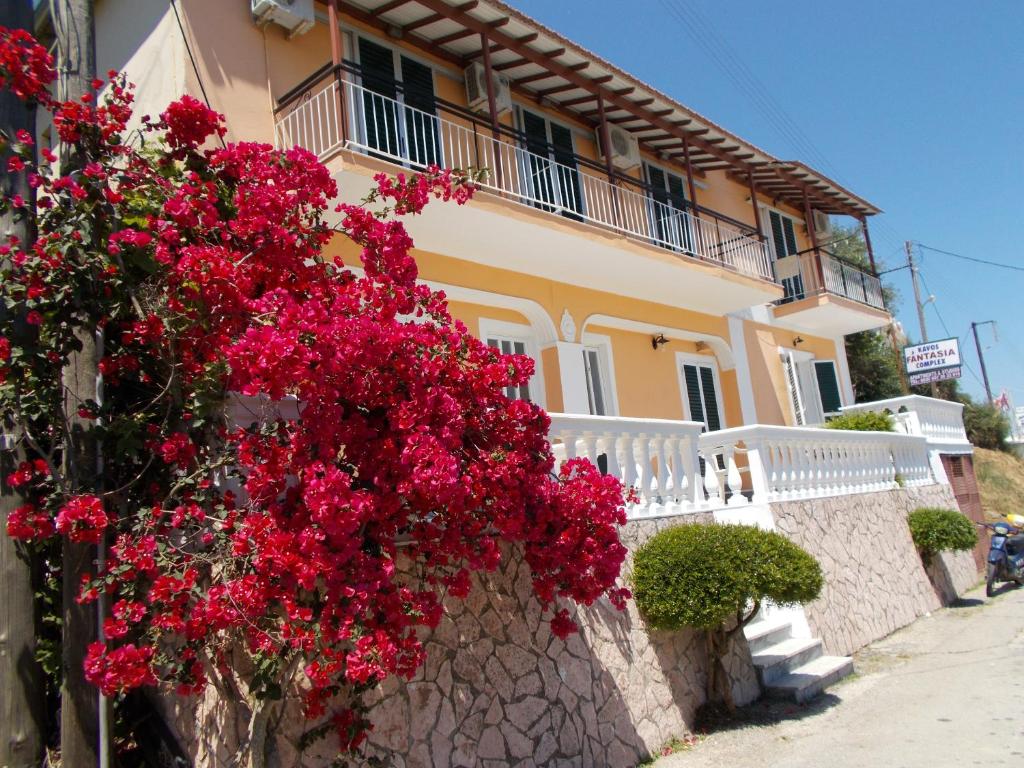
803 363
602 344
700 360
524 333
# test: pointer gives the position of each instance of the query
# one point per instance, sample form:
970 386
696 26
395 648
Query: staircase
790 667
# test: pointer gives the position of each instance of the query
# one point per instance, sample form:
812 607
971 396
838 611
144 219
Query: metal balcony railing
387 127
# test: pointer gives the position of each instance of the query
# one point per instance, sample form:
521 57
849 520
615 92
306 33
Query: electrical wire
705 35
195 67
1015 267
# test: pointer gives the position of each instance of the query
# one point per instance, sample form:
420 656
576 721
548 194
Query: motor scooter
1005 556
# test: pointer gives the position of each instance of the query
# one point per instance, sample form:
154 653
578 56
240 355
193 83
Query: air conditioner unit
476 89
296 16
822 226
625 152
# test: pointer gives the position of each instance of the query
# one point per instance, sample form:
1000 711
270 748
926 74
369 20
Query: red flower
82 519
27 522
189 123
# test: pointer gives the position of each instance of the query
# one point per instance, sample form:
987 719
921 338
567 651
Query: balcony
675 469
828 295
335 114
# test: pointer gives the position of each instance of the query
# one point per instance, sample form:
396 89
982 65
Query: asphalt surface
946 691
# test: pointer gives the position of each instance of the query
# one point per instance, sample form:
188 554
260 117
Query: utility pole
981 358
22 690
917 301
80 732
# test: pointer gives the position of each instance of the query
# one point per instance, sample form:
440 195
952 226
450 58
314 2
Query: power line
1015 267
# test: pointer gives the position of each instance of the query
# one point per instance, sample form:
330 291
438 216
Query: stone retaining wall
875 582
499 690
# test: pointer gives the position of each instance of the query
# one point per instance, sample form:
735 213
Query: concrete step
780 659
805 682
763 633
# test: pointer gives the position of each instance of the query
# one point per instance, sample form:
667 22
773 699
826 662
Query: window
828 386
516 339
600 375
813 387
701 400
511 347
398 105
549 169
783 245
668 202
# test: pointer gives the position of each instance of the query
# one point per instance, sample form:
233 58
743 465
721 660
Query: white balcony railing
389 128
674 469
940 421
842 279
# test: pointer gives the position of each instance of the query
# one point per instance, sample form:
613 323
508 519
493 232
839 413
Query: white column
738 342
573 374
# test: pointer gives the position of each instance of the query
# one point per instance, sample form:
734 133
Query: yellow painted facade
245 69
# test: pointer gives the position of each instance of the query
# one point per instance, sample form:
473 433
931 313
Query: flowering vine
299 461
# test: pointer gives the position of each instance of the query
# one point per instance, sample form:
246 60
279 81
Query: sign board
928 377
932 361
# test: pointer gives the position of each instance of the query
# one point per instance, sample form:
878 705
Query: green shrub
702 576
986 426
862 421
940 530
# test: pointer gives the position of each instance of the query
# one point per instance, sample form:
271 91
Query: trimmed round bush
701 575
864 421
941 530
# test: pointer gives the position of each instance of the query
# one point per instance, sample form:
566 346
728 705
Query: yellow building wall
245 69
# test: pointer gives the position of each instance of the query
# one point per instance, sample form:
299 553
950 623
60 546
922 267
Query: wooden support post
753 202
492 106
606 149
867 242
689 176
336 59
809 219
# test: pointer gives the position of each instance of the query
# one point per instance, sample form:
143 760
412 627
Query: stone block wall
875 582
498 690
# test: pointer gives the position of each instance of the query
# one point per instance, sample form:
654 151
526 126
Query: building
684 232
673 283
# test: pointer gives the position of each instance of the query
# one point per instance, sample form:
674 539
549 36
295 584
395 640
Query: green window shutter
778 238
418 81
378 67
828 386
787 228
676 191
535 128
656 177
693 398
707 380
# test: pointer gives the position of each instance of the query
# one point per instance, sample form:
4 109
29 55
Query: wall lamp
798 340
657 341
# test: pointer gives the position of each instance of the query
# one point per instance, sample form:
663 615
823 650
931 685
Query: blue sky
917 105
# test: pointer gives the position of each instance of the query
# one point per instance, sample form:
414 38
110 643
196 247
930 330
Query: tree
873 361
21 679
300 464
75 31
714 578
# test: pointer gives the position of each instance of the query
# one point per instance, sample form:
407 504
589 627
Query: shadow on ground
764 711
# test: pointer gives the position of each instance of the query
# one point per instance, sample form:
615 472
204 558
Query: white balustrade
786 463
392 129
940 421
656 457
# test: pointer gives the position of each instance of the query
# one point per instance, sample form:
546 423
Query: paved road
948 691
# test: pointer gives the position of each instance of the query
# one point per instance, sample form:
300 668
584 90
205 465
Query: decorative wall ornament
568 326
